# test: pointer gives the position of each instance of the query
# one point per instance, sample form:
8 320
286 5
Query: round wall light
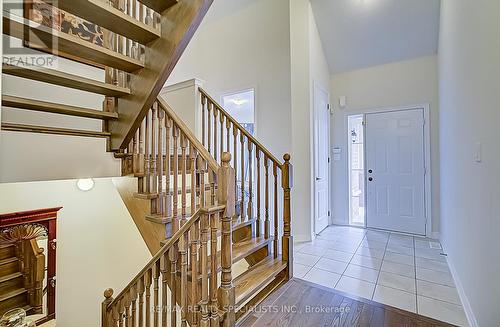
85 184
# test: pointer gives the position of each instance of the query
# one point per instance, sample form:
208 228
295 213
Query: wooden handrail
212 163
242 129
164 249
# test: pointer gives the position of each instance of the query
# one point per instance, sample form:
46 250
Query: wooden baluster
159 164
202 169
127 311
149 17
287 243
147 161
250 180
203 103
204 321
116 315
141 12
193 235
154 132
225 177
266 195
192 167
209 127
221 120
183 176
168 197
216 112
164 290
214 225
147 286
175 176
173 284
228 135
235 162
156 297
141 288
133 297
121 312
107 315
134 49
140 161
183 249
242 200
258 224
211 179
276 221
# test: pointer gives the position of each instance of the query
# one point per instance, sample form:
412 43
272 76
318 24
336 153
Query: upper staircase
221 201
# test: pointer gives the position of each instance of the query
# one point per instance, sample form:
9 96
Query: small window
356 170
241 106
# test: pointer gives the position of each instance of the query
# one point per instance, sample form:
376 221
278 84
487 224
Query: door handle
317 178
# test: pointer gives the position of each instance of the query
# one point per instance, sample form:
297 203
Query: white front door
395 171
321 144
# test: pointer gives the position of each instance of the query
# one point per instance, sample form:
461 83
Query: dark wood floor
300 303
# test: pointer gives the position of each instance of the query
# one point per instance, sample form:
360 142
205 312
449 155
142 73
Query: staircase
22 270
222 200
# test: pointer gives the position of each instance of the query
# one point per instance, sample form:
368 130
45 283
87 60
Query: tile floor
397 270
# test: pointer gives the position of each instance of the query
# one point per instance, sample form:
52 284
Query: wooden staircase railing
173 273
221 132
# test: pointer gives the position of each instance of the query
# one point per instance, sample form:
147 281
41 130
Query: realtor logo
29 38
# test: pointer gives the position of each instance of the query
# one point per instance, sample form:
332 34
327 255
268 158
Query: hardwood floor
300 303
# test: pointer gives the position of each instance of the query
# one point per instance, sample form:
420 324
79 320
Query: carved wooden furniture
23 264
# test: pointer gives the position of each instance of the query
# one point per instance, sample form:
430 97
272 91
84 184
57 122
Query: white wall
469 60
397 84
98 244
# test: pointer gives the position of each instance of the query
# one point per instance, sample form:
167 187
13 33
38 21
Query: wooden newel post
287 184
107 315
226 196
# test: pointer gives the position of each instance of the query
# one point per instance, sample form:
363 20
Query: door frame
427 154
318 86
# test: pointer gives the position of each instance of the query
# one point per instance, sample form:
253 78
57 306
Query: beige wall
469 60
397 84
98 244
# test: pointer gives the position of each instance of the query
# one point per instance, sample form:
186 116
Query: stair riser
7 252
17 301
11 285
9 268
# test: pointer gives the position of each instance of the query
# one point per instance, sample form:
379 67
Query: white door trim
316 85
427 153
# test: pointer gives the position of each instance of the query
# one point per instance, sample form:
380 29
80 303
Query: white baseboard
461 293
301 238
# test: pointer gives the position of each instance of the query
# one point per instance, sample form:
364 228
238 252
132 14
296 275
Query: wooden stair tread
257 277
11 276
51 130
56 108
64 79
12 294
110 18
42 36
245 248
159 5
8 260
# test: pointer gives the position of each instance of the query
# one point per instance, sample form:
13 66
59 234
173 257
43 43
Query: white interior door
395 171
321 145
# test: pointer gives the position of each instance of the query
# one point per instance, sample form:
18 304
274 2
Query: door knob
370 179
370 171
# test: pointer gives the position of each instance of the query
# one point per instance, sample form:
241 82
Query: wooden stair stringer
178 24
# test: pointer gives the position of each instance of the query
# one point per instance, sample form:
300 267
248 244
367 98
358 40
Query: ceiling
363 33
